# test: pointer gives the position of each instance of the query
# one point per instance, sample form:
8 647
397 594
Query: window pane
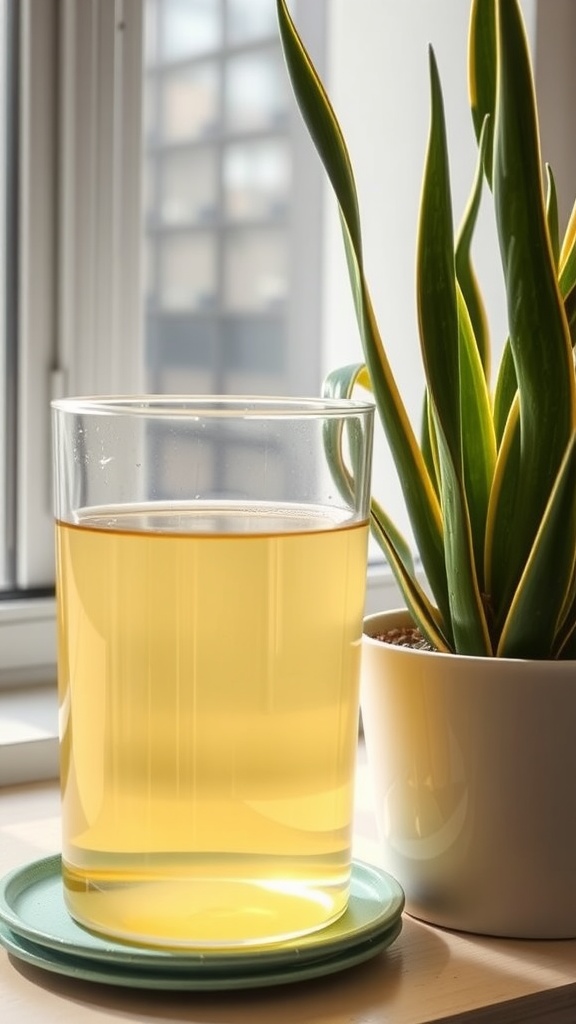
220 202
187 272
255 270
256 95
250 19
253 350
189 187
180 352
188 27
256 179
189 104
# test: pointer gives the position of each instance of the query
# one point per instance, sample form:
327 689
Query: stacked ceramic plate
36 927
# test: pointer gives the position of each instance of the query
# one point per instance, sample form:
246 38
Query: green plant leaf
565 640
341 383
482 73
321 122
419 494
506 384
539 334
567 620
469 624
436 276
568 649
552 215
458 489
567 272
567 259
535 611
428 444
500 523
570 309
456 387
506 388
478 438
424 614
464 270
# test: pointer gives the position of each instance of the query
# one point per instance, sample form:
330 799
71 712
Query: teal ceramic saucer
36 927
194 978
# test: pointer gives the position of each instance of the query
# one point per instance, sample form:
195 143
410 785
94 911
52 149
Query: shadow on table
347 996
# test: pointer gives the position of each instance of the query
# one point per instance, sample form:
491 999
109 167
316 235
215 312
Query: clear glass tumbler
211 567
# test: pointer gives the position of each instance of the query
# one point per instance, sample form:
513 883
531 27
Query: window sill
28 735
28 701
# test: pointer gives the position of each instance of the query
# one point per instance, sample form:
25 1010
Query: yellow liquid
208 676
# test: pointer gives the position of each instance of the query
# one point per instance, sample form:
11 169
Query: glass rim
212 406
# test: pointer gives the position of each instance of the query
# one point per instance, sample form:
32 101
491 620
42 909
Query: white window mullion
36 292
100 334
129 172
80 310
4 276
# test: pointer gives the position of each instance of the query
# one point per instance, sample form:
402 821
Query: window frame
78 281
7 177
36 297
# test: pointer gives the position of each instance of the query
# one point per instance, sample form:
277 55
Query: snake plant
490 485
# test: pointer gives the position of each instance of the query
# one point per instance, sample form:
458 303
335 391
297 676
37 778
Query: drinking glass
211 567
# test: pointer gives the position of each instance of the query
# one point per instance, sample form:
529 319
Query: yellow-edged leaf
552 215
478 438
501 511
539 334
468 618
536 608
482 72
419 494
568 248
465 274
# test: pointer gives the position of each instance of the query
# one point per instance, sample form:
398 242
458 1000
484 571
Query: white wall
556 88
377 76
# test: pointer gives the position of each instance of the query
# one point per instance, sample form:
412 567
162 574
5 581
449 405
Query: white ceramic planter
473 764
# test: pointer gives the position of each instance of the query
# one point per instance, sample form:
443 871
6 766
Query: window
221 158
161 252
223 149
198 248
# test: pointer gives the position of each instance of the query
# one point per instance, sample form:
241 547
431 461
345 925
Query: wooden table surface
428 974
